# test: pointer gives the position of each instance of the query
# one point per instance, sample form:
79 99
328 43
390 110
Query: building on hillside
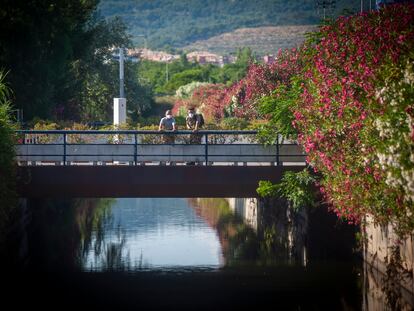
155 56
204 57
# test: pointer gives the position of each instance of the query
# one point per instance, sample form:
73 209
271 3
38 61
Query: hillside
178 23
262 40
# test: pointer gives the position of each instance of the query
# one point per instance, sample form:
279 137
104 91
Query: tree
57 53
39 39
7 162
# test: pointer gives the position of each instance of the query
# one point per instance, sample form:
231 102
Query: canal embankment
388 257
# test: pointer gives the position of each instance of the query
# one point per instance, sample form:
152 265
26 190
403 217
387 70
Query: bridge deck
92 163
145 181
150 147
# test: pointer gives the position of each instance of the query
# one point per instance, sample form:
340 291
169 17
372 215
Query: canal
185 254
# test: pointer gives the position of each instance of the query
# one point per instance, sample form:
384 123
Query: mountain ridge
176 24
261 40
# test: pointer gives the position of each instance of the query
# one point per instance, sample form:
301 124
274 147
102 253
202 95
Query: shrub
7 158
296 188
337 107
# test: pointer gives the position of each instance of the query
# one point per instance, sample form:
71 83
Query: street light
120 102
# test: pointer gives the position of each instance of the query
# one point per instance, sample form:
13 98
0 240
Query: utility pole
121 73
120 103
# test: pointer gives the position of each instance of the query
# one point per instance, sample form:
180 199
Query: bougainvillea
338 100
390 137
241 99
261 79
209 99
348 90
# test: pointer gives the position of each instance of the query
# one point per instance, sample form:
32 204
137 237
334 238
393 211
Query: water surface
154 233
186 254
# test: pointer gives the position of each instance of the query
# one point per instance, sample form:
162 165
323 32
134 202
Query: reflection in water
196 253
151 233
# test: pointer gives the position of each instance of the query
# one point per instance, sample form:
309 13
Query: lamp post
121 73
120 102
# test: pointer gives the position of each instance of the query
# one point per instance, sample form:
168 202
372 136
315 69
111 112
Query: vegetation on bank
296 188
346 96
354 115
7 161
337 113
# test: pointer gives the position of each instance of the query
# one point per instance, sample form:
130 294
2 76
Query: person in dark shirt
167 124
194 122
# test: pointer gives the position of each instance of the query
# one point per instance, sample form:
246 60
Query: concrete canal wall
293 229
288 228
247 208
378 247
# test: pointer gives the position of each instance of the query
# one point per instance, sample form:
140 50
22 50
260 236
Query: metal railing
137 147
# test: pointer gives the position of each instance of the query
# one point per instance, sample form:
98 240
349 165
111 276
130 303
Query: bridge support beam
145 181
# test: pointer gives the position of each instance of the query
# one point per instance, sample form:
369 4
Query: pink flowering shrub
348 94
241 99
390 137
209 99
261 79
333 114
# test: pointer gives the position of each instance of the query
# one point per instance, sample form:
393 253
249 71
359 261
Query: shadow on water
183 254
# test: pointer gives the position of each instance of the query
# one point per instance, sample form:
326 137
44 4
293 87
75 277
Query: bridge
129 163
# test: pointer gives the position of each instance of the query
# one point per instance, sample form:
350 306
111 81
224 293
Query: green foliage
296 188
7 158
99 85
186 91
177 23
183 78
234 123
57 53
278 108
390 137
154 75
231 73
267 189
187 76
